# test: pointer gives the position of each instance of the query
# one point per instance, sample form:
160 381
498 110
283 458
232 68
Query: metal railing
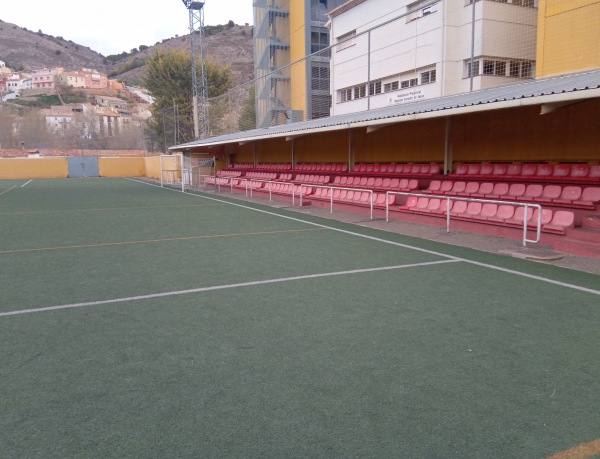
448 213
331 188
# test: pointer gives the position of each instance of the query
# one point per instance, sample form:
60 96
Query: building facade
390 53
290 88
45 78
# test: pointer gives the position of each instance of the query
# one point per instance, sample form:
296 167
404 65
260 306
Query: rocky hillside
24 49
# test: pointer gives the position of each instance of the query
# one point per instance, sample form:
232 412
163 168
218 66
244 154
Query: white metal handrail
331 188
270 182
526 205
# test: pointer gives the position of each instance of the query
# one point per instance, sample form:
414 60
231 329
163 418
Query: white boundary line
26 183
219 287
439 254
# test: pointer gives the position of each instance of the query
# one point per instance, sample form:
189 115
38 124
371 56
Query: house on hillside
108 120
17 82
72 79
108 101
2 64
45 78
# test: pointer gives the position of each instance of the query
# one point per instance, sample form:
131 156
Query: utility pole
199 85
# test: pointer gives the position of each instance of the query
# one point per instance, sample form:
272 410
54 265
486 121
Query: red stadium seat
579 171
550 193
485 188
529 170
473 169
434 206
513 170
561 221
500 189
471 188
569 194
500 170
515 191
589 198
488 210
504 212
458 208
445 186
486 170
434 187
533 192
411 202
458 188
461 169
473 209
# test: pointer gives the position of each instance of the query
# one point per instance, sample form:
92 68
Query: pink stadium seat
485 188
344 180
500 170
434 187
589 198
402 184
415 169
550 193
379 200
513 170
533 192
473 169
336 180
434 206
363 181
445 204
579 171
488 210
369 168
434 169
515 191
529 170
544 170
459 207
504 212
546 217
386 183
383 168
411 202
561 221
356 198
365 198
413 184
378 182
473 209
350 180
458 188
399 169
371 181
485 170
392 199
471 188
461 169
328 167
394 183
376 168
344 168
446 186
500 189
343 194
569 194
422 203
595 172
336 195
519 216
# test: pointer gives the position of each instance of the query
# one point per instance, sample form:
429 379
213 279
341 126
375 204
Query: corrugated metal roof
485 98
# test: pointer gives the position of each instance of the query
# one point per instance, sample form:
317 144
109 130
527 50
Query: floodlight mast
199 88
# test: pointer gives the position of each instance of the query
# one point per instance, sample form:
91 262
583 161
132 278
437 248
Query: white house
17 82
395 52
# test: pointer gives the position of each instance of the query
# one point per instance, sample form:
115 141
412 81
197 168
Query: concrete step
577 247
591 222
584 234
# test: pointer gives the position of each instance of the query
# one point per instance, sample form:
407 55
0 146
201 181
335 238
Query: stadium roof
550 92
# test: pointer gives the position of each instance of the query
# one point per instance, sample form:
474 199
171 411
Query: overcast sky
114 26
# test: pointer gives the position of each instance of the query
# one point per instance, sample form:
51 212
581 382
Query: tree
168 78
247 118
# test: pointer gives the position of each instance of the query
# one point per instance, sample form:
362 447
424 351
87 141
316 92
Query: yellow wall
324 147
298 51
28 168
274 151
122 167
421 141
152 166
568 36
522 134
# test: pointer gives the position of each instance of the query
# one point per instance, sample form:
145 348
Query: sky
114 26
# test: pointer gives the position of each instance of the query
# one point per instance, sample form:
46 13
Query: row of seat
227 173
531 171
506 214
424 169
262 175
377 183
567 195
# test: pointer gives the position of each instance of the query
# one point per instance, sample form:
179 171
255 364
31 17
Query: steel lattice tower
199 85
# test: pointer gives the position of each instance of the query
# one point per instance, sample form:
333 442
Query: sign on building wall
409 95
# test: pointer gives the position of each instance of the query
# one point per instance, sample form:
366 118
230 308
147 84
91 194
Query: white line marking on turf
220 287
26 183
476 263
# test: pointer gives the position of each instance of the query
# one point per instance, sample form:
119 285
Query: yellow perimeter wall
30 168
122 167
568 36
